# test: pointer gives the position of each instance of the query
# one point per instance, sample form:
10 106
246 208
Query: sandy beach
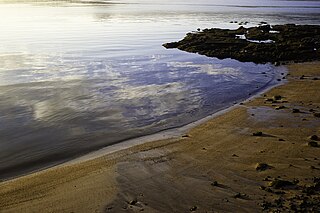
229 164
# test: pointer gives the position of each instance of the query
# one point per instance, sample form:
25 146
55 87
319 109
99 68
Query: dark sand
178 175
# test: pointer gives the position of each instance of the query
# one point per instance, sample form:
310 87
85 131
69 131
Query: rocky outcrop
262 44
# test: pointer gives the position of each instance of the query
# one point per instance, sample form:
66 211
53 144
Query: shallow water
75 77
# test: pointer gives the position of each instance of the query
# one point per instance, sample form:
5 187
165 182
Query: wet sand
210 169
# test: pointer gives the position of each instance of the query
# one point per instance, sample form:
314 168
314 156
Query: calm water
78 76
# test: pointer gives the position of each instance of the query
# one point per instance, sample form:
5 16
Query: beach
227 164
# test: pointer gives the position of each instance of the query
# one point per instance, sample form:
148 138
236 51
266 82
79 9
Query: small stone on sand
278 184
316 115
313 144
314 137
295 111
257 134
214 183
262 166
193 208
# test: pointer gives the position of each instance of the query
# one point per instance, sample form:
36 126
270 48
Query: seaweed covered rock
262 44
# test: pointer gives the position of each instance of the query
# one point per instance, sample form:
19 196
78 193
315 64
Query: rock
316 115
238 195
214 183
241 196
280 107
257 134
279 184
262 166
313 144
277 97
269 190
280 139
292 43
314 137
266 178
133 202
171 45
193 208
266 205
296 111
262 187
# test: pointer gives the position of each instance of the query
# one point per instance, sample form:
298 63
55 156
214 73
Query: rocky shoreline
277 44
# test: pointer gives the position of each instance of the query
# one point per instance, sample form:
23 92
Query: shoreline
213 168
172 133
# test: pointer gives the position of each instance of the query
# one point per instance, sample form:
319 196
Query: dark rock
277 97
171 45
240 196
262 166
266 179
316 115
280 107
314 137
133 202
262 187
269 190
296 111
279 184
266 205
257 134
293 43
214 183
313 144
193 208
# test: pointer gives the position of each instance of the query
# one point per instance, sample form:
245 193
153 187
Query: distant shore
260 155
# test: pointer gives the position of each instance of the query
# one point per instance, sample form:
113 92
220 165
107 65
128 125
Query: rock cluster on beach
262 44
